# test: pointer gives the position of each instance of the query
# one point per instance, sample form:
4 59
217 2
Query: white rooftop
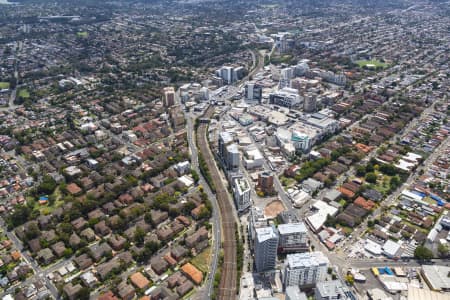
306 260
291 228
265 233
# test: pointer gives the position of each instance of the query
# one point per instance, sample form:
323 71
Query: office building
293 238
305 269
168 96
265 247
241 193
332 290
286 97
265 183
253 92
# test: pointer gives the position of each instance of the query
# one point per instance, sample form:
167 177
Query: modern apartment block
305 269
241 193
293 238
266 244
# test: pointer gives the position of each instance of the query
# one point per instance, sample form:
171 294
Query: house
192 273
373 195
74 240
104 269
170 260
200 235
196 212
72 291
34 245
101 228
88 279
59 248
79 224
159 265
45 256
88 234
107 296
97 251
83 261
74 189
185 288
165 234
117 242
126 198
363 203
126 291
178 252
96 214
139 280
158 216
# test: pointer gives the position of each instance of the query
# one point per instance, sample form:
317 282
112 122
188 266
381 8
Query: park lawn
48 209
4 85
287 182
24 93
375 62
202 260
82 34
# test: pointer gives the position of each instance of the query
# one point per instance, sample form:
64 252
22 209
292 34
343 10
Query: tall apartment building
241 193
293 238
230 74
232 158
305 269
256 220
253 92
168 96
265 248
225 139
265 182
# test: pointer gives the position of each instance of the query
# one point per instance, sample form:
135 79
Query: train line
228 280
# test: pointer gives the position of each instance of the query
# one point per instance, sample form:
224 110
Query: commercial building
332 290
305 269
436 277
293 238
225 139
265 247
168 96
241 193
252 158
286 97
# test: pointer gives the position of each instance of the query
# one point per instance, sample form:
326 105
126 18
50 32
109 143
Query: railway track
227 287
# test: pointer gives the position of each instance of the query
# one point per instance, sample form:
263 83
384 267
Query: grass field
202 260
82 34
375 62
24 93
4 85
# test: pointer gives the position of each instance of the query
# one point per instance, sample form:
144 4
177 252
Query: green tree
443 250
423 253
371 177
